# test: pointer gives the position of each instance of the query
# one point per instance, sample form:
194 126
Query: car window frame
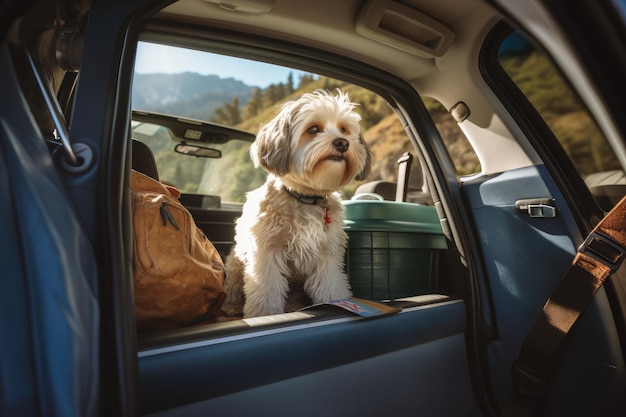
557 161
403 99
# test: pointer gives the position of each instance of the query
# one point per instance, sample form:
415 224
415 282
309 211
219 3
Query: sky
154 58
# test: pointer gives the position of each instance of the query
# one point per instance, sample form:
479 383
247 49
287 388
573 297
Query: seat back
386 189
143 160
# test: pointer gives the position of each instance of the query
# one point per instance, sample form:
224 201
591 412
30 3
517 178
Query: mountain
187 94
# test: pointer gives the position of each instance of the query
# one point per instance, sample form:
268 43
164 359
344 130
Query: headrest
143 160
385 189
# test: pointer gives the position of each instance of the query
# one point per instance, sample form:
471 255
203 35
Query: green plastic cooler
393 248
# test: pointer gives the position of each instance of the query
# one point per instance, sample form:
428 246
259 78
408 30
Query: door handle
537 207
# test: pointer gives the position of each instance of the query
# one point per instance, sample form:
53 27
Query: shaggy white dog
289 241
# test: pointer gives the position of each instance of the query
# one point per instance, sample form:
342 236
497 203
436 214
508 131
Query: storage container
393 248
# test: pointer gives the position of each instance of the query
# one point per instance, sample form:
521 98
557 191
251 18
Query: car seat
143 159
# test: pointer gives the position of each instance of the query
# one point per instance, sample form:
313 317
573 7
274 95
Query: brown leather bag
178 273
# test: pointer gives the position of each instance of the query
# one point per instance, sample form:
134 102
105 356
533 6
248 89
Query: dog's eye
313 130
343 130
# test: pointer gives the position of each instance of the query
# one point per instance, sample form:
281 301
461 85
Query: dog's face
315 141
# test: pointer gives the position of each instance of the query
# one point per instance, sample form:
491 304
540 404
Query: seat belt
404 170
599 256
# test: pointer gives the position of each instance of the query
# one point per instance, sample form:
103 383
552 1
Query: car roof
341 28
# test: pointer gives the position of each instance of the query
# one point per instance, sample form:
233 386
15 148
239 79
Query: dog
289 241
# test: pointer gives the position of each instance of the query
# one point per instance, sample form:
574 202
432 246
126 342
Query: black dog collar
313 200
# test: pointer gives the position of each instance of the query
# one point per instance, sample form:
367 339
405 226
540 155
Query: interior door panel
525 258
536 251
519 289
389 365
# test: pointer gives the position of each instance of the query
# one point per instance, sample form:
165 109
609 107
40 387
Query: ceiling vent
404 28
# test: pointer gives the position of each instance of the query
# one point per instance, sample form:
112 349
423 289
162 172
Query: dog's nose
341 144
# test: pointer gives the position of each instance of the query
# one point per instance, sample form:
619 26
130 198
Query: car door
64 304
49 285
566 177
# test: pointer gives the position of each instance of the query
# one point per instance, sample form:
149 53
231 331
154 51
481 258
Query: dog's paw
340 294
330 289
232 308
233 312
263 309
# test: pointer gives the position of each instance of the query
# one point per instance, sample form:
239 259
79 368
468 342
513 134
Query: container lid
390 216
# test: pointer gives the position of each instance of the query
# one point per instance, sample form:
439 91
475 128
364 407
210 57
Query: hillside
383 131
186 94
561 110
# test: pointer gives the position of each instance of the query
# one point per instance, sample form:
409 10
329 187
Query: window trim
161 342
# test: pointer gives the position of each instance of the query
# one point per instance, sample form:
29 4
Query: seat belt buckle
603 249
526 380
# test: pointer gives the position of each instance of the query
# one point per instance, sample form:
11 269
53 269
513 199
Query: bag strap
599 256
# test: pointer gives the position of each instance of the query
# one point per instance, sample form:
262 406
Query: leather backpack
177 272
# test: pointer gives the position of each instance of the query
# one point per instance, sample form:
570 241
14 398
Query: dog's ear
367 168
271 149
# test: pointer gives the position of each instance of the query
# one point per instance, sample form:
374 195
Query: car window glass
243 96
461 152
570 122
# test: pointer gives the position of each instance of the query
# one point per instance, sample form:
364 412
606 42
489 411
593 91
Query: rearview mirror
198 151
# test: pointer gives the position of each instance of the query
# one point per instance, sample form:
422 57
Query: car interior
478 201
409 40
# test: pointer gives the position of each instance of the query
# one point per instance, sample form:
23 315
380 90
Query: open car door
48 292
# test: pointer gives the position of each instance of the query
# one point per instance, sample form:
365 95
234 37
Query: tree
289 88
255 105
306 79
228 114
271 95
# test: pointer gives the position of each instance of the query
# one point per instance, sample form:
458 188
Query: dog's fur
312 147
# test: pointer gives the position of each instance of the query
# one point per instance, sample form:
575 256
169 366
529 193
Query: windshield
197 175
